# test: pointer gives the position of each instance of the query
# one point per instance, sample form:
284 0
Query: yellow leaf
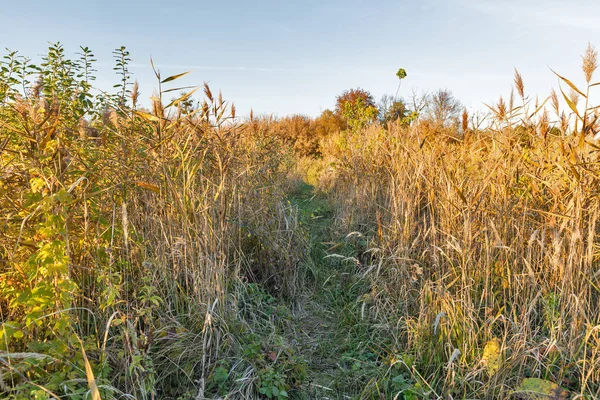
173 77
148 186
540 107
90 375
147 116
37 184
568 82
182 98
571 105
540 389
492 356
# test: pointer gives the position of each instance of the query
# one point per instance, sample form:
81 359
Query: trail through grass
315 317
324 330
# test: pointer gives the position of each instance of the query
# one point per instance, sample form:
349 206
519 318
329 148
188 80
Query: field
402 250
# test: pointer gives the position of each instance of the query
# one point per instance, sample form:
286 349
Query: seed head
555 103
590 62
519 84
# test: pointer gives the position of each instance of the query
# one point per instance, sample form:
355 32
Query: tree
391 109
444 108
327 124
296 131
353 96
357 107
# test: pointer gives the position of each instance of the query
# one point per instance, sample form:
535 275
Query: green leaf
173 77
24 297
540 389
178 88
401 74
63 196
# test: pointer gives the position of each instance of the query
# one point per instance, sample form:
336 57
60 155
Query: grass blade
173 77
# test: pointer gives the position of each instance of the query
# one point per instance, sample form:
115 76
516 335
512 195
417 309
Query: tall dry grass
133 229
480 239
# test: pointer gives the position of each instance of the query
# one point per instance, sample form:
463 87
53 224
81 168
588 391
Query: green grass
170 253
345 355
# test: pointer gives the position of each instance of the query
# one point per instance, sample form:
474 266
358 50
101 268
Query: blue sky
287 57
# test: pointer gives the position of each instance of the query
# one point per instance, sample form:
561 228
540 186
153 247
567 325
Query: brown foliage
304 134
353 96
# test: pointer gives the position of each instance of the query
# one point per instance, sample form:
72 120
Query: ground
323 330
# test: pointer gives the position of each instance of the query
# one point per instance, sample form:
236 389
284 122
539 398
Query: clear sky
286 57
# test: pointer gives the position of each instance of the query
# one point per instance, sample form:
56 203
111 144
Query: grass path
322 330
314 322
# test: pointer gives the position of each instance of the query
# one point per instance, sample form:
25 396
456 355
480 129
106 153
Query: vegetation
357 107
128 235
405 251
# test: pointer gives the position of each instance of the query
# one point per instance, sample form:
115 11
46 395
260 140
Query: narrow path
314 321
318 331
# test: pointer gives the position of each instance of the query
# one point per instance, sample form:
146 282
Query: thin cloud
193 67
575 14
206 67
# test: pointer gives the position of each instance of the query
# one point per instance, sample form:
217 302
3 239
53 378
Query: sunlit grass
178 252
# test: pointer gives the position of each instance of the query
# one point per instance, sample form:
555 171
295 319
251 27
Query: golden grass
131 229
129 239
488 237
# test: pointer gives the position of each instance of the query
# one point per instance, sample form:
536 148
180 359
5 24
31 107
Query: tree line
356 108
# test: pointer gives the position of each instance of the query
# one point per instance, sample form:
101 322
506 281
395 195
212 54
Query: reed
486 241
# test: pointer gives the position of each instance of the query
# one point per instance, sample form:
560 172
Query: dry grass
132 229
155 253
488 236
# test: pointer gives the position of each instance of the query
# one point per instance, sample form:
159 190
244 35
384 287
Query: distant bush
303 133
357 107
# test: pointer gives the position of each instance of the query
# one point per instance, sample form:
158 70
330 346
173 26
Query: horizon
154 247
284 59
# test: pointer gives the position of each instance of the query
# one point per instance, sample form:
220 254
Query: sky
286 57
